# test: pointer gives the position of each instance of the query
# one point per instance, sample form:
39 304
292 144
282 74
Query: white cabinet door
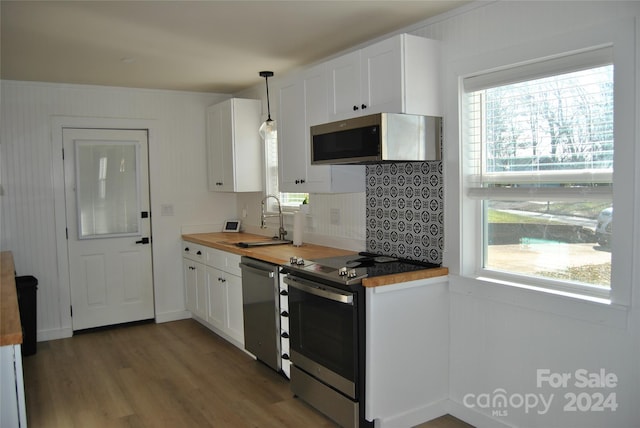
344 87
316 108
235 319
12 405
292 150
234 152
225 303
381 77
219 152
190 280
217 298
196 288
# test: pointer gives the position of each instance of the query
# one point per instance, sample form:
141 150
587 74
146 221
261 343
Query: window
289 201
539 160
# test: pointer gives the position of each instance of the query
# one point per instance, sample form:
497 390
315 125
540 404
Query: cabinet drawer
233 264
193 251
216 258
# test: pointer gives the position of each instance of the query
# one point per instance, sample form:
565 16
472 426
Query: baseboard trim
172 316
416 416
63 333
473 417
54 334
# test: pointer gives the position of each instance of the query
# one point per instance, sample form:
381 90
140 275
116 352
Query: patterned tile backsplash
405 210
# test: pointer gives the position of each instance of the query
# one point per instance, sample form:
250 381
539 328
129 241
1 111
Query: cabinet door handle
363 106
199 253
302 181
284 314
355 108
187 249
284 335
285 356
284 293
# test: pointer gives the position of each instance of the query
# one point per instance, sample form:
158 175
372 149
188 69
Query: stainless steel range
327 330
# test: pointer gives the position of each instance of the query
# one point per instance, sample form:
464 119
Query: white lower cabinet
234 317
407 351
213 286
13 411
225 303
217 298
194 279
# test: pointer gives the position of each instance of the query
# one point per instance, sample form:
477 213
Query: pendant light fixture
269 125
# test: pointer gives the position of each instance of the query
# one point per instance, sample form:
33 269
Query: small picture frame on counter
231 226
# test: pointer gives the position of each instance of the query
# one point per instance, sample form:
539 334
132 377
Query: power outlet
334 215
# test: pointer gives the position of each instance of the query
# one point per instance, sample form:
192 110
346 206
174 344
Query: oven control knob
352 273
342 271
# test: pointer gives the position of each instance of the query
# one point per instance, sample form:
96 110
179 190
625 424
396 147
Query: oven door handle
311 288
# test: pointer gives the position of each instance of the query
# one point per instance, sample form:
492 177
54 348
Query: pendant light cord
266 80
266 75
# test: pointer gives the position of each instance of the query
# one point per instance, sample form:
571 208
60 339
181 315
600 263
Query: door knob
145 241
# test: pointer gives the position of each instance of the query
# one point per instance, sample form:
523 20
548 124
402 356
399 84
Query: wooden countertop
280 254
277 254
10 327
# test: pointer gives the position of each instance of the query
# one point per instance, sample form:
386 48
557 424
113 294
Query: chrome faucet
263 216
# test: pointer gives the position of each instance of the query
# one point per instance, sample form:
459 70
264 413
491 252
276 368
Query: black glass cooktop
352 269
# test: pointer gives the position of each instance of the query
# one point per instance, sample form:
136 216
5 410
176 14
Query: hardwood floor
176 374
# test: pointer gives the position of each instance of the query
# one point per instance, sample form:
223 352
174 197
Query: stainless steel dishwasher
261 310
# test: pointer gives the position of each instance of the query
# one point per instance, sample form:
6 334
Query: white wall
177 175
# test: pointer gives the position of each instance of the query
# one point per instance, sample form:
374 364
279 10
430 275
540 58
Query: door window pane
107 189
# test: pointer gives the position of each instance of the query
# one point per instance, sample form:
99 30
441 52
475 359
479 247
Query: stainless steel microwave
382 137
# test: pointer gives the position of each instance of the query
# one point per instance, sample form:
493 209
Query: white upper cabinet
304 102
345 96
397 75
292 150
234 152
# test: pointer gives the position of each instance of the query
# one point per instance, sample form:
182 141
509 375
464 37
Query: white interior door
108 226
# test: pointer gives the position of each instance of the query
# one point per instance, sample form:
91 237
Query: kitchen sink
263 243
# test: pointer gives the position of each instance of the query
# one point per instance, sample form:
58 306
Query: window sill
588 309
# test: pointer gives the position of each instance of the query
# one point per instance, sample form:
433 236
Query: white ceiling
209 46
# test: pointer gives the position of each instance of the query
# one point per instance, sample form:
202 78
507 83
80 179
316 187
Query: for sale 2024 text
584 391
593 396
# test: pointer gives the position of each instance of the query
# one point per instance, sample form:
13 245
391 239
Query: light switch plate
166 209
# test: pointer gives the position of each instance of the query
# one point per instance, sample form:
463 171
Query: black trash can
26 287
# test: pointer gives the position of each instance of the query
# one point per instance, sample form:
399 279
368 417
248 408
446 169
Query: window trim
469 235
